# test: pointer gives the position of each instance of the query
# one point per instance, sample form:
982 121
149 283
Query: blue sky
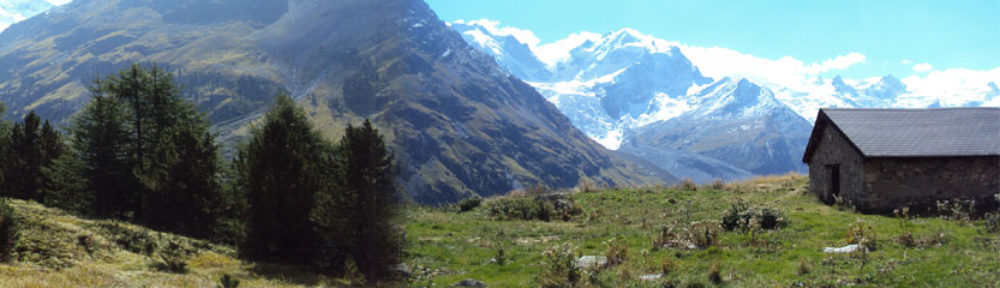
894 36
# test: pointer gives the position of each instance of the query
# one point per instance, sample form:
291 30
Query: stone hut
882 159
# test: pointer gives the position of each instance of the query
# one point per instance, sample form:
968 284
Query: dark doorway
834 183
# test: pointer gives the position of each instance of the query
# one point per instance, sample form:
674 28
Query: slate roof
914 132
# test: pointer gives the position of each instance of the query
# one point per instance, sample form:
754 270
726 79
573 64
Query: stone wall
919 182
833 149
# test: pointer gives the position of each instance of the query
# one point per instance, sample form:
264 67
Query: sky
11 11
856 39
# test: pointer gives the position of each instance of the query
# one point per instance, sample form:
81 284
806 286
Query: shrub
228 281
501 258
992 222
468 204
9 231
174 263
667 266
804 268
863 234
617 252
689 185
694 235
714 274
560 268
739 216
718 184
174 258
704 234
543 207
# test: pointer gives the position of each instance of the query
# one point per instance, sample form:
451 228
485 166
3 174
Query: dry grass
60 250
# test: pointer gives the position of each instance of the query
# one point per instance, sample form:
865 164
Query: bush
468 204
174 263
501 258
694 235
714 274
228 281
9 231
560 268
174 258
617 252
992 222
863 234
543 207
689 185
718 184
739 216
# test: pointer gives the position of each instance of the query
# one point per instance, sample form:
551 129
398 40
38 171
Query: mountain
606 84
458 124
15 11
643 97
738 122
507 50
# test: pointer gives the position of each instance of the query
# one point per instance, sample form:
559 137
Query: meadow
646 237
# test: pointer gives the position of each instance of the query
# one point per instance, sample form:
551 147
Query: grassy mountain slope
445 247
459 125
944 252
60 250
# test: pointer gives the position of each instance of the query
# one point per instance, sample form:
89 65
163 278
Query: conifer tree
25 175
52 145
281 168
5 152
101 137
173 156
65 186
374 201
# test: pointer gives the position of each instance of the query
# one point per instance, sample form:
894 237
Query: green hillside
57 249
445 246
943 251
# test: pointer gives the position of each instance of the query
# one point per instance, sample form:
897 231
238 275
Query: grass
445 247
950 253
60 250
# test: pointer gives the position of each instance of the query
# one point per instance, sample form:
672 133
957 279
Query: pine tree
65 185
102 139
52 145
282 168
173 156
6 153
25 176
374 201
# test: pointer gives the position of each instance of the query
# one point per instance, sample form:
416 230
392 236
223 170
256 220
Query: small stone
650 277
588 261
470 283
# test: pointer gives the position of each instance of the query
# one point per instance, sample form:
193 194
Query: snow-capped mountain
16 11
642 95
624 86
607 84
736 122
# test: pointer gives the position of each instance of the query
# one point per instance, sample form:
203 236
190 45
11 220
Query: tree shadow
299 275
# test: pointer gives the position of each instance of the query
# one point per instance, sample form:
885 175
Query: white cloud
10 15
494 28
838 63
552 53
58 2
922 67
787 71
952 86
906 62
